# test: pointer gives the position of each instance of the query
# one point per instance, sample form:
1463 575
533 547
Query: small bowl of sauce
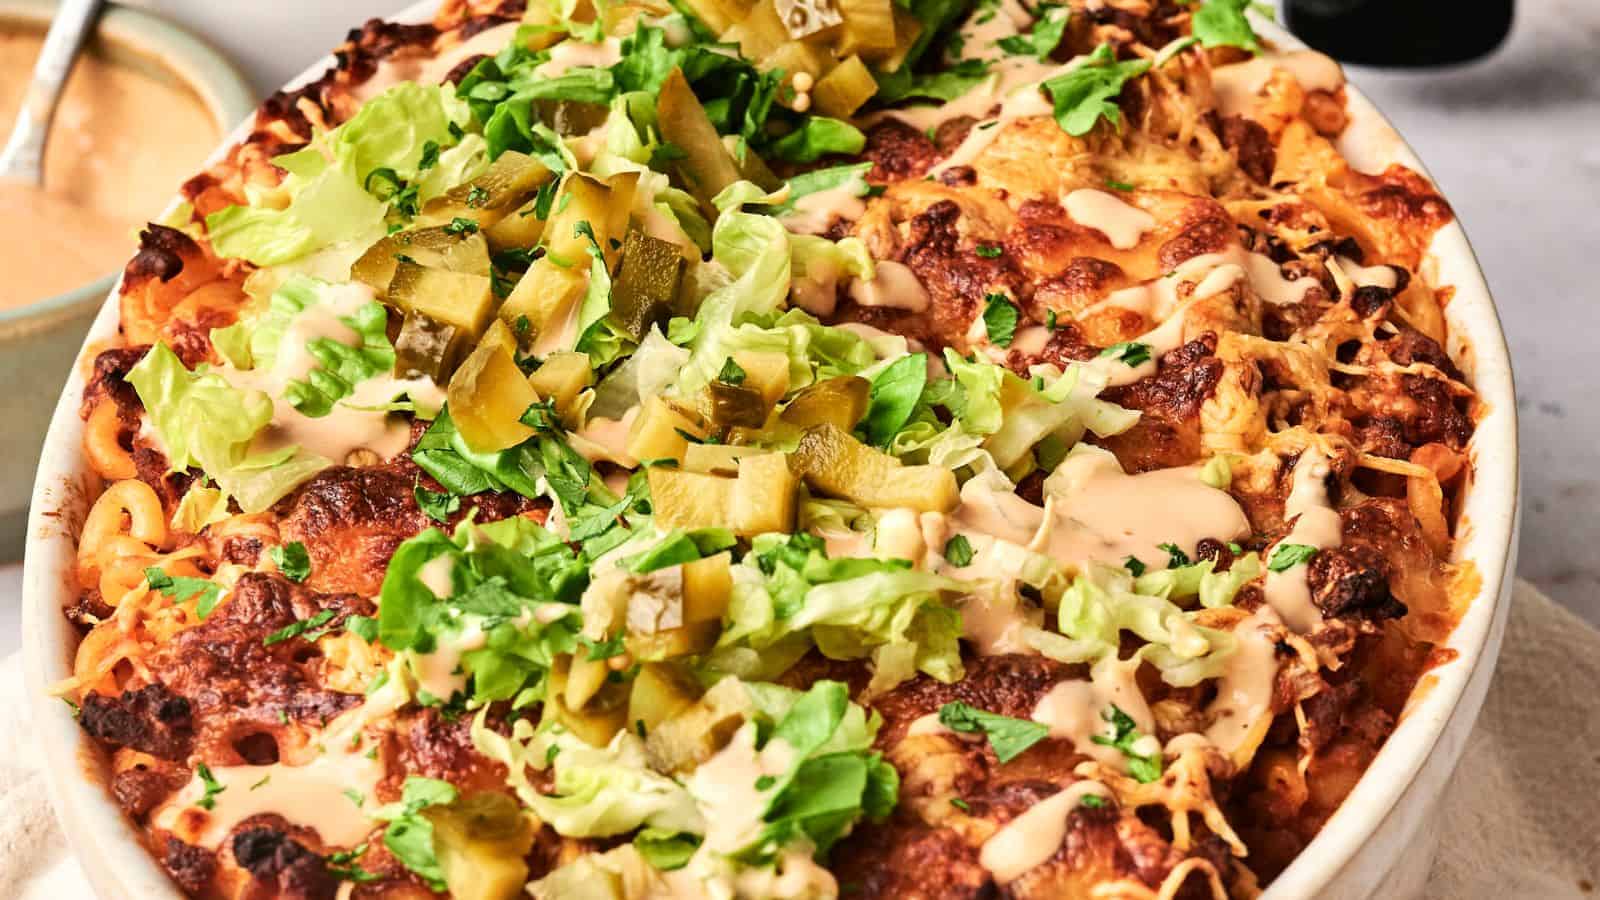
146 104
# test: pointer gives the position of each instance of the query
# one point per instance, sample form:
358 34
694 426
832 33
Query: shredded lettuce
788 595
331 183
607 791
206 422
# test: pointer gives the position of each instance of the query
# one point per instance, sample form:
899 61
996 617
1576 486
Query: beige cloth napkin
1520 819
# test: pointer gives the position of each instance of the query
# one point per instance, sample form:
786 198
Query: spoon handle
23 156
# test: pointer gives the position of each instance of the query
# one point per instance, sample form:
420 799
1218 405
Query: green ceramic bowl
39 342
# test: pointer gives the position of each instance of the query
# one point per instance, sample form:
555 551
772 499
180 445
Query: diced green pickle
646 283
426 347
840 402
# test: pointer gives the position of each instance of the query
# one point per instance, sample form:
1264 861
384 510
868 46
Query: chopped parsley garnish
355 796
1124 733
208 800
262 783
731 372
182 589
461 226
436 505
430 156
958 550
765 782
1008 736
1050 319
1093 801
292 560
1088 93
477 198
1000 318
1175 556
1129 353
990 251
1132 564
341 865
297 629
1115 185
1287 556
960 804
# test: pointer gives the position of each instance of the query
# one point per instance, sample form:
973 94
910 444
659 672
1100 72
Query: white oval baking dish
1375 845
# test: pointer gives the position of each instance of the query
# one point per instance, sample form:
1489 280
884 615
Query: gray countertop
1514 141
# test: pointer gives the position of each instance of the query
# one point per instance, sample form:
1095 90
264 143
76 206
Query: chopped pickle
683 499
707 588
623 185
570 117
798 56
672 643
434 248
719 15
600 719
582 199
458 299
543 299
488 395
489 197
840 402
760 32
426 348
803 18
716 459
906 31
680 743
868 26
834 463
561 378
842 91
766 371
706 167
764 495
759 499
520 230
659 430
752 167
481 840
585 677
646 284
731 405
661 690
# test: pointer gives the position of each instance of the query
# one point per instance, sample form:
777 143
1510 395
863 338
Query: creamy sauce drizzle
1075 710
1316 524
308 789
1369 276
1238 87
571 54
1244 693
725 788
1122 223
816 212
346 428
893 285
1033 837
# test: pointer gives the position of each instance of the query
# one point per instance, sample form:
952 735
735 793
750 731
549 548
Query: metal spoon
23 157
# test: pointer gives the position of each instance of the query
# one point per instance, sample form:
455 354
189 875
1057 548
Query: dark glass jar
1405 33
